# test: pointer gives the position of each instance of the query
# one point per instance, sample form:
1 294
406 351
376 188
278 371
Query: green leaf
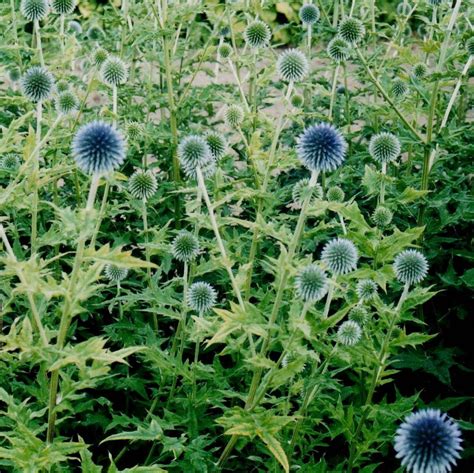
277 451
150 433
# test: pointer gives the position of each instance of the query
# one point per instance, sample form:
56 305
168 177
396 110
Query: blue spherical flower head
98 148
428 441
321 147
340 256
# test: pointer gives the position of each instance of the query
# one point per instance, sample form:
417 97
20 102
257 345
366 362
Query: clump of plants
224 253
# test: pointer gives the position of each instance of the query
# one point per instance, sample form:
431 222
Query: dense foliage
218 254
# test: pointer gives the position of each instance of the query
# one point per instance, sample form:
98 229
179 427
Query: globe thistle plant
135 130
217 144
359 315
311 283
63 7
99 56
142 184
384 147
382 217
67 102
74 27
292 65
37 84
194 152
257 34
428 441
98 148
297 100
10 162
14 74
340 255
62 86
201 297
366 289
115 274
234 116
321 147
399 88
309 14
224 50
302 189
335 194
420 71
349 333
34 10
338 49
185 247
470 46
410 267
114 71
403 8
351 30
95 33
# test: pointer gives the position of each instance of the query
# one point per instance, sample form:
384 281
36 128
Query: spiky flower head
37 83
292 65
224 50
435 3
34 9
63 7
382 217
135 130
95 33
384 147
142 184
321 147
257 34
335 194
194 152
338 49
309 14
399 88
351 30
428 441
311 283
98 147
217 143
74 27
115 273
185 246
62 86
366 289
67 102
470 46
99 56
225 31
114 71
301 190
340 256
10 162
201 297
14 74
410 266
359 315
297 100
419 71
234 116
341 89
403 8
349 333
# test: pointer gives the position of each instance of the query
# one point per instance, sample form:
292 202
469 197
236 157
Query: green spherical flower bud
301 190
34 10
224 50
338 49
297 100
340 255
257 34
63 7
10 162
135 130
311 283
114 71
404 8
67 102
37 84
201 297
349 333
351 30
309 14
74 27
194 152
99 56
399 88
292 66
95 33
115 273
410 267
470 46
185 247
234 116
62 86
335 194
384 147
14 74
142 184
359 314
382 217
217 144
366 290
420 71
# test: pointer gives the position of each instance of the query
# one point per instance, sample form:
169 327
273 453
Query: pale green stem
15 31
239 85
61 32
382 183
103 205
35 176
114 104
38 42
333 92
329 297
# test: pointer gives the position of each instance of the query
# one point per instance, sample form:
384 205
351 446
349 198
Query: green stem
382 183
333 92
145 231
15 32
329 297
35 177
38 42
103 205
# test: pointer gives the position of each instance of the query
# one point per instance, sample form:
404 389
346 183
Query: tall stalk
35 177
38 42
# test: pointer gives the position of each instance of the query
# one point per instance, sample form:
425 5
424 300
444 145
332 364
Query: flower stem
382 183
103 205
35 177
333 92
38 42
